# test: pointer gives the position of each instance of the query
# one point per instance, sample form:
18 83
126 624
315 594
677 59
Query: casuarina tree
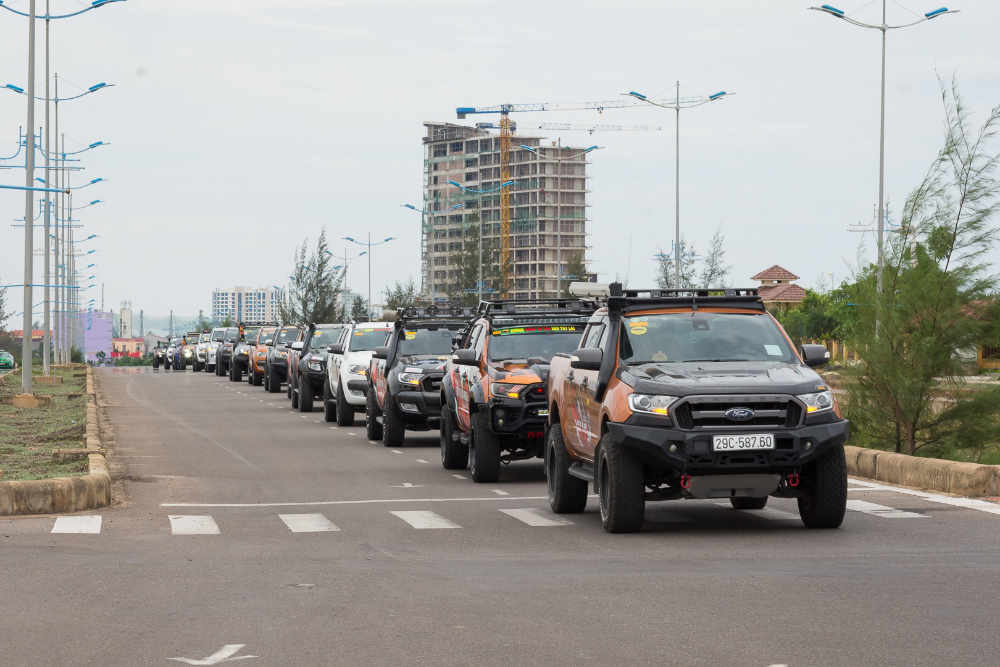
937 303
315 286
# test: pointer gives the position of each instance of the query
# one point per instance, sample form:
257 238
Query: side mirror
298 345
465 357
269 342
335 348
815 355
380 352
587 359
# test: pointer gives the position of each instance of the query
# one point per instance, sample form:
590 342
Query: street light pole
677 186
29 205
47 307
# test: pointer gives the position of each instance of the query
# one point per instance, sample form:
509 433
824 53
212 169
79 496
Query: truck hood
428 363
724 377
520 373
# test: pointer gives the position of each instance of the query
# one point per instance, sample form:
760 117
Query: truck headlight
651 404
187 353
505 390
315 365
412 379
821 401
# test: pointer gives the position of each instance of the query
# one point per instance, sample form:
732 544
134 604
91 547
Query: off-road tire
567 494
305 395
235 375
824 499
156 363
454 455
345 411
288 390
273 385
748 503
295 397
393 427
373 430
484 450
621 488
329 407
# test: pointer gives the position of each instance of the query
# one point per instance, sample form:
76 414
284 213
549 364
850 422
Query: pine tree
666 276
714 270
400 295
359 310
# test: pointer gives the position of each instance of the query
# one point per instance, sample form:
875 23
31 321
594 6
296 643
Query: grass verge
28 437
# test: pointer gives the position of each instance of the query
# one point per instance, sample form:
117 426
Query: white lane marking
965 503
406 485
767 513
308 523
90 525
333 428
866 507
317 421
191 524
225 654
500 492
425 520
422 461
457 476
304 416
352 433
373 501
396 451
536 517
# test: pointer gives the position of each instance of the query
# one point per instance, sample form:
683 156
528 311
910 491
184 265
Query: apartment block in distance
246 304
549 207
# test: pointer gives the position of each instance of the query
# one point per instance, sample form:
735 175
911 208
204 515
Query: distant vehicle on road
347 365
224 356
692 394
276 364
404 375
160 355
240 361
200 351
173 348
212 349
6 360
307 364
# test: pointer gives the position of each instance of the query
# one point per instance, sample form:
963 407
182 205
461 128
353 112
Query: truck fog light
808 444
673 449
409 407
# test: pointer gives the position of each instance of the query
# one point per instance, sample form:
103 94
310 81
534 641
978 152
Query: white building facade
248 305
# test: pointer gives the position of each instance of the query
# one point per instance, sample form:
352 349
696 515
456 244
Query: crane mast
506 265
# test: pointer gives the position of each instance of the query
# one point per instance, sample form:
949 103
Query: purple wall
93 334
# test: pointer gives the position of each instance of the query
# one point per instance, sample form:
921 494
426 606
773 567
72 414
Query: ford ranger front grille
737 412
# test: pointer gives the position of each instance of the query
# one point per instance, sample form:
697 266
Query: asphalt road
308 545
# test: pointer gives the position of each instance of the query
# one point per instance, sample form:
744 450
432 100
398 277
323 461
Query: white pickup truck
346 386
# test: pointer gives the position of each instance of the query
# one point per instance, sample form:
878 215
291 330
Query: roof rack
536 309
620 298
434 313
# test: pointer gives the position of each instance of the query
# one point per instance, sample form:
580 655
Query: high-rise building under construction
548 218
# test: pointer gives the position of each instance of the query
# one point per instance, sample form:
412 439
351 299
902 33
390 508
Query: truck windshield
175 341
287 335
266 333
232 335
537 341
323 337
204 338
250 334
687 337
218 335
365 340
426 341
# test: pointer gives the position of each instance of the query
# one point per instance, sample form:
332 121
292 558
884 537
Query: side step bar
582 470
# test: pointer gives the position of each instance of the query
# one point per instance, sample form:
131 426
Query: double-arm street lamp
677 105
425 240
884 28
370 251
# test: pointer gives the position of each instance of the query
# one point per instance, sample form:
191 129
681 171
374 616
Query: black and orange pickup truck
404 376
494 405
692 394
258 355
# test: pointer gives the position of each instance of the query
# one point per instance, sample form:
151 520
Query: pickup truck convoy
346 388
494 405
692 394
404 391
276 364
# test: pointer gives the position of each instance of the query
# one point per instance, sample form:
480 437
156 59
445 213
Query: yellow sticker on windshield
638 327
410 335
638 331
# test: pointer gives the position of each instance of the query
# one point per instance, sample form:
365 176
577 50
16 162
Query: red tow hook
793 479
685 482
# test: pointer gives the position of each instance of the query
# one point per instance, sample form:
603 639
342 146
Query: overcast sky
240 127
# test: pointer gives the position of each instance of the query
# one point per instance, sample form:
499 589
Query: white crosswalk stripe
188 524
425 519
873 509
78 524
536 517
308 523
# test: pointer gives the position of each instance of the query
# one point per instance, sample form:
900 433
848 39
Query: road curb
65 494
960 478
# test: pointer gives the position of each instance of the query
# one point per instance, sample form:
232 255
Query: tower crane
504 110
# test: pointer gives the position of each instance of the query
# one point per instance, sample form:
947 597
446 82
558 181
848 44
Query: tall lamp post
677 105
481 192
538 169
370 249
425 229
882 27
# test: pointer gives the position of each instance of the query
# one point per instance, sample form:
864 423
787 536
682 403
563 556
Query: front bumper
420 409
356 390
692 450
